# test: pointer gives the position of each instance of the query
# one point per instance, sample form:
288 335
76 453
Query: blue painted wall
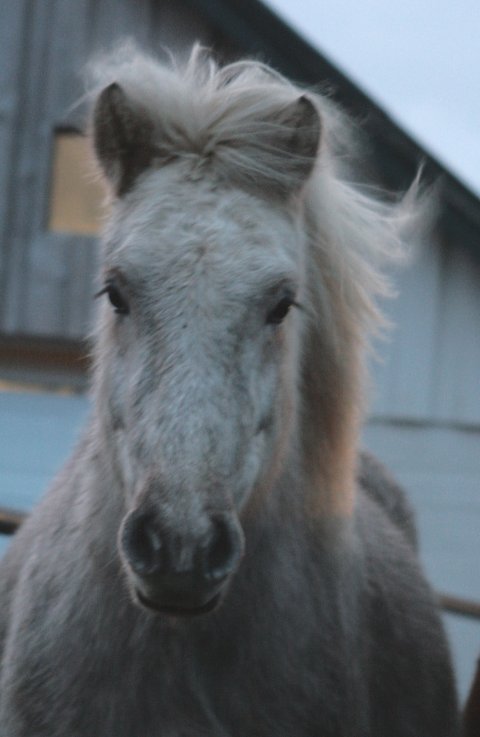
37 431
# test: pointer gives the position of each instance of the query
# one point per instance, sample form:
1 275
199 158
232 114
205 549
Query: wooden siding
46 278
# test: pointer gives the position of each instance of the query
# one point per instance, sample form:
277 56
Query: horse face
199 335
203 270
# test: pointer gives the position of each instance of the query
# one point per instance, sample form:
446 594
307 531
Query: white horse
216 559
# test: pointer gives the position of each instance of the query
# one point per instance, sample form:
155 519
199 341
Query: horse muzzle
174 572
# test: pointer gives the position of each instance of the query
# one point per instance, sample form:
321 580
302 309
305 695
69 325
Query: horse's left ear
298 140
122 138
304 119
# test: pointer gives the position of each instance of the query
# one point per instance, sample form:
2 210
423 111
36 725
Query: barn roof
255 29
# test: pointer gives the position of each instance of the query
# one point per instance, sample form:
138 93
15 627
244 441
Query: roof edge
257 30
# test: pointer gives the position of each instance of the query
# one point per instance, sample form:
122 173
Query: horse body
207 562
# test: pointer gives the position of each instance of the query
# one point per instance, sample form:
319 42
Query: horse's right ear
122 138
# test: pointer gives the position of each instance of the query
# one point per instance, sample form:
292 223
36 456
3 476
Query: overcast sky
420 59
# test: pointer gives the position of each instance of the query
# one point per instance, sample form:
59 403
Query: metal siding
81 269
464 637
428 367
440 470
457 379
30 192
112 20
22 183
179 29
50 285
11 39
402 373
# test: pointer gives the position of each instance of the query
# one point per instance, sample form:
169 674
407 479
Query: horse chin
175 610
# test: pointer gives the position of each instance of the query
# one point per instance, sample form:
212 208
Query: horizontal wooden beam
459 605
10 520
37 363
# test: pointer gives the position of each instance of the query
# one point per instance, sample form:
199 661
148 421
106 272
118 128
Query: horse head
198 344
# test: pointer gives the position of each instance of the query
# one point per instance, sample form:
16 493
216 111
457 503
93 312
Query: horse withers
217 558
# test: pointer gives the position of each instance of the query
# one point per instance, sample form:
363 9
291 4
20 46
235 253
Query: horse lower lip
177 611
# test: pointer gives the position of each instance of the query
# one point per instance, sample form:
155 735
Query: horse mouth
176 610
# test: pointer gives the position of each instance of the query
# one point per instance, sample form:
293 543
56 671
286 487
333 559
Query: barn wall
428 367
439 467
425 422
46 278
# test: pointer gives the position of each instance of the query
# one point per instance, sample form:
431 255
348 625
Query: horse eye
280 311
117 300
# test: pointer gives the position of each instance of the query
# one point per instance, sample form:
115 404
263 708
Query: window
77 196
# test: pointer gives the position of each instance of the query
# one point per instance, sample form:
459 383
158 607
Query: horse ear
122 137
299 140
306 128
279 154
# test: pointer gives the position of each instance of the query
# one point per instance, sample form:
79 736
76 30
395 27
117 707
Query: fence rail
11 519
459 605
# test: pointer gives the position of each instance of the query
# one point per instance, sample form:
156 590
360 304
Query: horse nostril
224 551
142 545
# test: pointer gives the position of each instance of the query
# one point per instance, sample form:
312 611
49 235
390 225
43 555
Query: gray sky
419 59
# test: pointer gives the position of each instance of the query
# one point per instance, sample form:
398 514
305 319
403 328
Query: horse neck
315 482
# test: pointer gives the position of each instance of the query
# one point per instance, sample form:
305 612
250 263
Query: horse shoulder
39 565
379 484
400 614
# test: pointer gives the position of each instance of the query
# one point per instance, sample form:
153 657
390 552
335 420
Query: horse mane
218 115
